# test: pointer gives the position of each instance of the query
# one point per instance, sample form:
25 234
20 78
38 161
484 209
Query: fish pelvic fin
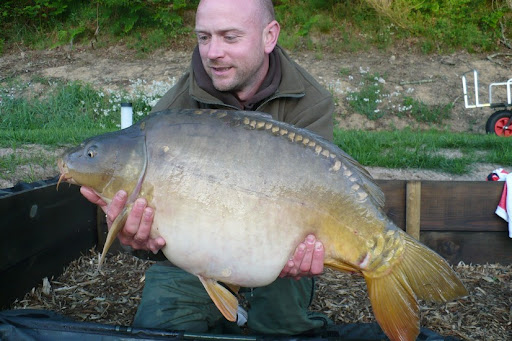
233 287
117 225
419 274
225 301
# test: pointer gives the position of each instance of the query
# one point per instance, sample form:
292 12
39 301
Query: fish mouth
64 173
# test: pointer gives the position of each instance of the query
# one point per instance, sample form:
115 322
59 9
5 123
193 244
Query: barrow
500 121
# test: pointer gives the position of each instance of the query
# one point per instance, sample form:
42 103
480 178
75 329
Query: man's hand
135 232
308 259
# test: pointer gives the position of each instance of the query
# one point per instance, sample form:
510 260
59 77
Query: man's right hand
136 231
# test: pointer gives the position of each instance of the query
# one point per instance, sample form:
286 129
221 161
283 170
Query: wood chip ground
111 296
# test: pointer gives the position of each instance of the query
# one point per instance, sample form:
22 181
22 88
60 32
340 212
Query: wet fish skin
234 192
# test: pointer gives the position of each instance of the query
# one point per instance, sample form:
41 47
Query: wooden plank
461 206
42 231
394 190
470 247
448 205
413 209
457 219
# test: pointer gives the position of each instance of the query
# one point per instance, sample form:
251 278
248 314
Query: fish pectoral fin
117 225
225 301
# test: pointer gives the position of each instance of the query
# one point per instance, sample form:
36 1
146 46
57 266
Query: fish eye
91 153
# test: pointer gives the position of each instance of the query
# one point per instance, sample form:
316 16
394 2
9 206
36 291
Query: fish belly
247 248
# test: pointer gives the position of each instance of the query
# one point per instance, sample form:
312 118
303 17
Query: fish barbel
235 192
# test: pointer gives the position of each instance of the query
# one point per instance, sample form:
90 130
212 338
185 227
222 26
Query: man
237 65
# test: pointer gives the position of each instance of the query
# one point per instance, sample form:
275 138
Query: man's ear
270 36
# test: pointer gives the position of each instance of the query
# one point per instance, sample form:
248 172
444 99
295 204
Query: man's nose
215 48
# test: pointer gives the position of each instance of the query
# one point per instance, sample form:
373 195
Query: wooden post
413 209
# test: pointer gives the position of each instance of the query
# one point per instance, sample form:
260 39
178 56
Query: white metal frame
477 103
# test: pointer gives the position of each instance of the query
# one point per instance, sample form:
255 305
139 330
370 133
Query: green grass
64 105
405 149
64 111
64 114
427 113
55 137
366 100
424 150
31 162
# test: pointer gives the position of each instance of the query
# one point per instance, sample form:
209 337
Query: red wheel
499 123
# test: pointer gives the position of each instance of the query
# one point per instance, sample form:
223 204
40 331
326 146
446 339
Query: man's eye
202 38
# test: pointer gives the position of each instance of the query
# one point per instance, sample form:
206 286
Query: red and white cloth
504 209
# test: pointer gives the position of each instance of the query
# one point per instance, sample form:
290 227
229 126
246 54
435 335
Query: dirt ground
431 79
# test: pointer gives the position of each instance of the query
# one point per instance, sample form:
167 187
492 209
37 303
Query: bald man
237 65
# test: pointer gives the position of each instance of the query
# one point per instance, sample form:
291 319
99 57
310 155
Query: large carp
234 192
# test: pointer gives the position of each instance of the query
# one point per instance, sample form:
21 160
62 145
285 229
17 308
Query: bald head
267 10
235 38
261 9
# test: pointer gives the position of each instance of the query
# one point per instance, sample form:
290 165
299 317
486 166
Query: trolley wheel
497 123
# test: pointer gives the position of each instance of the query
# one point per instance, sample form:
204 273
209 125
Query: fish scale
235 192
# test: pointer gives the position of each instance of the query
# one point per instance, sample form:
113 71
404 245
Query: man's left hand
308 259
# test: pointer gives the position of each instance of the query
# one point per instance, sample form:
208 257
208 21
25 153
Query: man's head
235 38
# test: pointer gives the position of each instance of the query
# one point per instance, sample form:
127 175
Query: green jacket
300 100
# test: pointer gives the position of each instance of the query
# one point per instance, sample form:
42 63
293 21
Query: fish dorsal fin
367 181
225 301
321 146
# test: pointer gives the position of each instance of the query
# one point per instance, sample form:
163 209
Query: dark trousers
176 300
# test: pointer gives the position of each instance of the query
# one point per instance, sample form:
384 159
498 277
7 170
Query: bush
437 25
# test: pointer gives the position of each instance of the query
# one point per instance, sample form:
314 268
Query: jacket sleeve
318 118
177 97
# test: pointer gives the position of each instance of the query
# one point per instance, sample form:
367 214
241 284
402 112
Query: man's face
231 44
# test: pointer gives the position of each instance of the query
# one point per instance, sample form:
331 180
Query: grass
427 113
367 96
424 150
65 114
366 100
61 114
27 165
405 149
71 107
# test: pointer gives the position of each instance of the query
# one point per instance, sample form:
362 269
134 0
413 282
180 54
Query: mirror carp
235 192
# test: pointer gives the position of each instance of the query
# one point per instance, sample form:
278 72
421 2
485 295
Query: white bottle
126 115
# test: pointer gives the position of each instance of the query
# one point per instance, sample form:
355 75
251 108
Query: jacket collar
290 85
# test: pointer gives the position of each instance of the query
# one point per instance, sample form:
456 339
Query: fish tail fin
395 306
420 274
